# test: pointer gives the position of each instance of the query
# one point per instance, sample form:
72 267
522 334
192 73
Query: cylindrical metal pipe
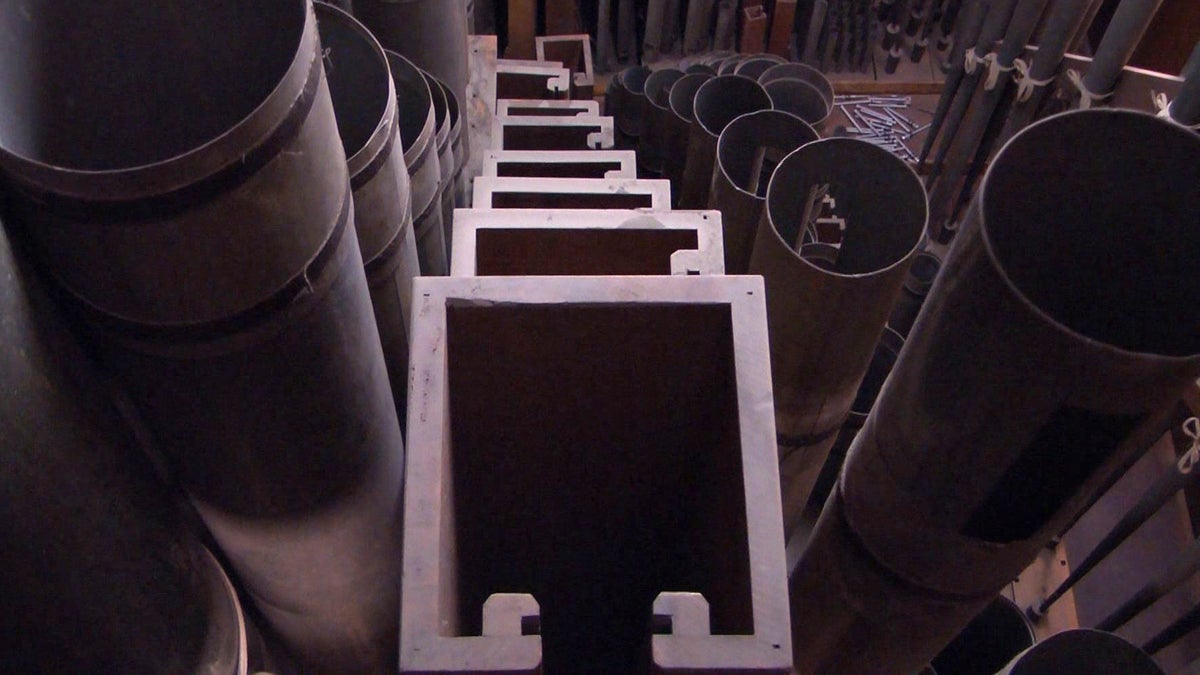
1124 31
1185 109
717 102
993 638
364 100
675 139
800 99
812 41
916 286
748 151
214 262
824 323
1027 377
799 71
723 32
652 41
657 100
629 115
432 34
727 65
418 133
754 66
99 570
446 161
1082 651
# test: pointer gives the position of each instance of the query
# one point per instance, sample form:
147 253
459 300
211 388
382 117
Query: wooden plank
522 26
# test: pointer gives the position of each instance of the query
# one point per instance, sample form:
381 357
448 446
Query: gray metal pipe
430 33
800 99
1125 30
630 106
754 66
965 37
627 32
657 101
1029 375
606 51
723 32
1185 109
824 322
214 262
1082 651
1179 571
812 41
717 103
748 151
799 71
1178 629
652 41
364 100
675 138
99 569
418 133
446 159
698 26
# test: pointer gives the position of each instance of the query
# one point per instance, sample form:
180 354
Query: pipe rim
1058 126
410 84
755 65
1099 644
441 108
658 87
793 86
738 95
682 98
768 122
800 71
152 176
633 79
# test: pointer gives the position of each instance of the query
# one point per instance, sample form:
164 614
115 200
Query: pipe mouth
359 79
802 72
799 98
752 145
989 642
414 101
126 84
1101 243
755 66
1082 650
658 86
682 97
922 273
633 79
879 196
722 99
700 69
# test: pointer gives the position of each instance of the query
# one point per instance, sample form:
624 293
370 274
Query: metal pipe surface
1082 651
916 287
989 642
99 569
965 37
754 66
824 323
799 71
213 261
717 103
681 100
1124 32
430 33
723 32
698 26
629 117
446 159
1023 383
1163 583
655 117
748 151
800 99
1185 109
364 101
418 133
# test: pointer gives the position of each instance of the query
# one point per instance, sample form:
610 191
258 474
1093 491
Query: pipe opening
683 95
101 86
1104 243
799 98
884 207
658 86
358 76
752 146
988 643
634 79
802 72
722 99
578 252
756 66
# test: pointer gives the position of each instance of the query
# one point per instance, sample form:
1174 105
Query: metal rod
1168 580
1173 633
1185 109
1125 30
965 38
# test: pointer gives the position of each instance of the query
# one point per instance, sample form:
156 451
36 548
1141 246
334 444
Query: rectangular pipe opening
574 251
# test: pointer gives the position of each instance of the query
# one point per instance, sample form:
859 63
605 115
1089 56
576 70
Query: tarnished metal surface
364 100
662 378
514 107
528 132
99 569
826 319
1083 651
418 134
214 263
503 242
561 163
748 151
681 101
571 193
1036 368
717 102
655 118
430 33
531 79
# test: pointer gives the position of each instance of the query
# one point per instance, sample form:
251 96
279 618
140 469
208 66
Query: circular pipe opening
884 358
880 197
117 85
358 76
752 145
634 79
755 66
413 99
658 86
802 72
728 65
989 642
1083 651
922 273
683 95
1103 243
799 98
722 99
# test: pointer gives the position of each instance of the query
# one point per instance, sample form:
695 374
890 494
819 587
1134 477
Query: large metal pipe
657 101
800 99
99 569
629 113
681 100
430 33
1035 368
418 132
799 71
214 262
748 151
825 322
446 161
717 102
1124 32
364 100
1185 109
1082 651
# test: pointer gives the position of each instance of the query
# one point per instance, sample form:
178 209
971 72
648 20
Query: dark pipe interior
683 94
413 98
634 79
988 643
754 67
658 86
724 98
802 72
880 197
799 98
358 76
1104 242
753 145
124 83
